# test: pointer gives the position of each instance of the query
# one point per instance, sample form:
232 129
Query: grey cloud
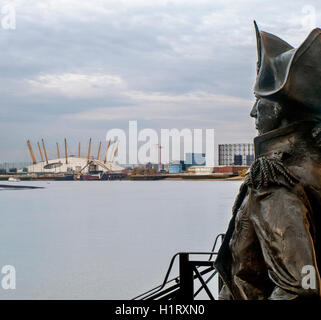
169 47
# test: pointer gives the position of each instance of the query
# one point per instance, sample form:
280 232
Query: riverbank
153 177
184 177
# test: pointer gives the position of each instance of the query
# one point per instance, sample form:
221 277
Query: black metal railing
182 287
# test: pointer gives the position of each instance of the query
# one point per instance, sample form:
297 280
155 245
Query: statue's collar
280 140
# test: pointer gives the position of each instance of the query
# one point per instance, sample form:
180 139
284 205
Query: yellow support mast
34 161
106 154
89 147
40 151
58 151
98 153
44 150
115 152
66 154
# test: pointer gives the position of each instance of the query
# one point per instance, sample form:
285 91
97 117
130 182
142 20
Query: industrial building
195 159
192 160
73 164
176 167
241 154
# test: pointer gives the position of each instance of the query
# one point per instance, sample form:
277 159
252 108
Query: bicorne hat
288 74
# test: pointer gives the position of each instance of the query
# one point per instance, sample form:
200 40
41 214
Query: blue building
175 167
195 159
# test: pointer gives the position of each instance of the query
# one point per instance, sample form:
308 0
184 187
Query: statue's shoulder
264 173
269 171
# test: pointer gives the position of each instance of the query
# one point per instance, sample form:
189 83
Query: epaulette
265 172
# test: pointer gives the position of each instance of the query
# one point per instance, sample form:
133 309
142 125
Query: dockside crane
34 161
160 156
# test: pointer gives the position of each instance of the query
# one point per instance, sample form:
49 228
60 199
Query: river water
105 239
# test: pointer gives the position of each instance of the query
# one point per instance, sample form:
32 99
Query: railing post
220 280
220 283
186 277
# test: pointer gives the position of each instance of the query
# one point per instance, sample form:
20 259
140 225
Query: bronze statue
275 230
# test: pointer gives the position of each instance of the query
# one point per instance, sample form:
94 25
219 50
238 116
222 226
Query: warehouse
241 154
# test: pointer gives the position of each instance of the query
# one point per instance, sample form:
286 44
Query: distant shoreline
209 179
183 177
166 177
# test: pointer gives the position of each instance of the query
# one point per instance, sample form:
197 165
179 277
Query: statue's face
267 114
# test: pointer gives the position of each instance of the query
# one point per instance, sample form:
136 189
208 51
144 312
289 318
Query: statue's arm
280 220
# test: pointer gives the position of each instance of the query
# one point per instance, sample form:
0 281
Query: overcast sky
76 69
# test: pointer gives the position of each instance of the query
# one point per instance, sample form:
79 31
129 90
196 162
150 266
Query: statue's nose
253 112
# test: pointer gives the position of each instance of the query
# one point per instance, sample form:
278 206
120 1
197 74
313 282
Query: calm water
105 240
